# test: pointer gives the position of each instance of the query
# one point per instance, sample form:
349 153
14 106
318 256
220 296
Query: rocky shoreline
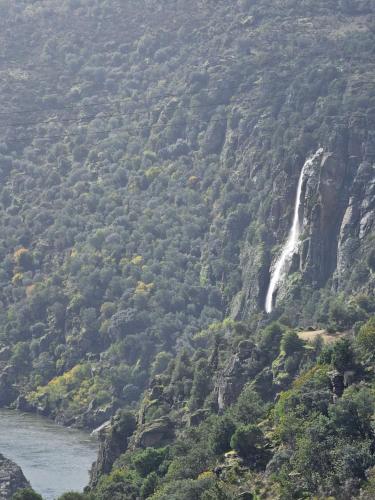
12 478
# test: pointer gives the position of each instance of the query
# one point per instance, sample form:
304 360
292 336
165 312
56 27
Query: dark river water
54 459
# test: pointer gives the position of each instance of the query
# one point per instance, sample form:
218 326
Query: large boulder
154 434
11 478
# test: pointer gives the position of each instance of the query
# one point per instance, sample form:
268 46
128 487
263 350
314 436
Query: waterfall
281 267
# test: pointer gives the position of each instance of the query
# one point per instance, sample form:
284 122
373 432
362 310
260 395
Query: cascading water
289 248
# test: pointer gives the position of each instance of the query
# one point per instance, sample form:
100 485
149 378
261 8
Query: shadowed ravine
54 459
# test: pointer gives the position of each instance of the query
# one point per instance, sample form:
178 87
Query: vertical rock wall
338 218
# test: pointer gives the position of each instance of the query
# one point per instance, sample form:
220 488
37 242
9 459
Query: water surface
53 458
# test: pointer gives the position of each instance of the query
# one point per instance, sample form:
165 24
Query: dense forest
149 159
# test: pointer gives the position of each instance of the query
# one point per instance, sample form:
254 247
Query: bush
148 460
269 341
343 355
26 494
249 407
149 485
290 343
344 314
366 336
247 440
186 489
118 485
124 423
73 495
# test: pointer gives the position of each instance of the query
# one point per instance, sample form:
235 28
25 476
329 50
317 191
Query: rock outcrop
154 433
113 437
121 433
11 478
242 366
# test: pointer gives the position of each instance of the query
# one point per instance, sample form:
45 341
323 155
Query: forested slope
149 158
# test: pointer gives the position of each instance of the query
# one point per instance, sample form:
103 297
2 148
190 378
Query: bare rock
155 433
337 383
242 366
11 478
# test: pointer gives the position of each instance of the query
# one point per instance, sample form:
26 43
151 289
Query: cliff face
337 220
11 479
340 202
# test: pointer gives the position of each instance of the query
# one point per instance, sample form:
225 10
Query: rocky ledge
11 478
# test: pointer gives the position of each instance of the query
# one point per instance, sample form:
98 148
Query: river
54 459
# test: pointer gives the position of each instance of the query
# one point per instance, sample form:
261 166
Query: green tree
201 384
221 431
366 336
21 356
249 406
72 495
124 423
160 362
118 485
149 485
148 460
343 355
291 343
269 341
247 440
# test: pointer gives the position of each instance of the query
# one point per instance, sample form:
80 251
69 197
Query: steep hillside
149 163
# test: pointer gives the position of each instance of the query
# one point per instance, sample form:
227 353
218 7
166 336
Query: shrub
26 494
247 440
249 407
148 460
149 485
73 495
343 355
366 336
290 343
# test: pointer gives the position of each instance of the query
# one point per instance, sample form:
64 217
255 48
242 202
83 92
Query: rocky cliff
333 219
338 200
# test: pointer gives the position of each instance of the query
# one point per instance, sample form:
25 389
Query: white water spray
289 248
